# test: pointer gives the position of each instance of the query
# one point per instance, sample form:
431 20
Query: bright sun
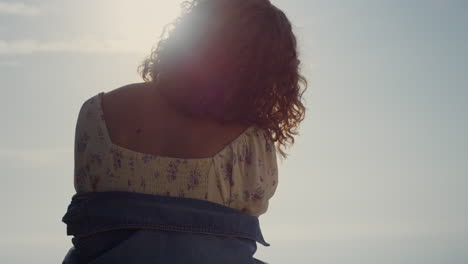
138 24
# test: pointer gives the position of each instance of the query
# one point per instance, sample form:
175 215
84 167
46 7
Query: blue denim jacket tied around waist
127 227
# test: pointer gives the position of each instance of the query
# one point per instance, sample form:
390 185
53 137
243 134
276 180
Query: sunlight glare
140 23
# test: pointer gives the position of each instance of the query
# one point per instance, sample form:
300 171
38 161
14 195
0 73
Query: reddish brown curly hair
240 60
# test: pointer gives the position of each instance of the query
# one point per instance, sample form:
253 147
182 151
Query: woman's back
132 145
139 118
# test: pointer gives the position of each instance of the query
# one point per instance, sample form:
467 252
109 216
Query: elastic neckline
134 152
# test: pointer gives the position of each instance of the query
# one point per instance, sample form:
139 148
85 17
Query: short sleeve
88 152
82 139
249 177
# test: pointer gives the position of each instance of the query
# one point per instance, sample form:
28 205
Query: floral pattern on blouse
194 179
117 157
228 174
243 175
172 170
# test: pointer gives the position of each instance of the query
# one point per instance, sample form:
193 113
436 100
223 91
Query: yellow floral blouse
243 175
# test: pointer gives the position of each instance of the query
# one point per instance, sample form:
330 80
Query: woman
178 169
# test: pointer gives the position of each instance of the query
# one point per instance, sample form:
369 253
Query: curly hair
240 61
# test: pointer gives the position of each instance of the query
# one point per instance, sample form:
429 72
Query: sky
378 174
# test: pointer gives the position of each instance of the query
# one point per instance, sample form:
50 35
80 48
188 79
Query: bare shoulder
137 106
123 93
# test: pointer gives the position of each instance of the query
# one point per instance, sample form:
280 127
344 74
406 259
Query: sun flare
137 25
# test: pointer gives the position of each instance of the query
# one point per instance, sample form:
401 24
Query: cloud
9 64
17 8
84 45
35 156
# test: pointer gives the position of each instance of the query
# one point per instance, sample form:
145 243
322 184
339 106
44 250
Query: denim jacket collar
95 212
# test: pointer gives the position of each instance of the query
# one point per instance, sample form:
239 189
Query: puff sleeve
88 145
82 139
248 178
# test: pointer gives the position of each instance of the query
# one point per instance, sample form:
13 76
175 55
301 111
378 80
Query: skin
139 117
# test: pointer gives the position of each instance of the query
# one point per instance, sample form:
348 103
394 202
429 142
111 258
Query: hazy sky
379 174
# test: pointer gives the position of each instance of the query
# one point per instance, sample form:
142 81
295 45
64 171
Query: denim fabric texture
127 227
